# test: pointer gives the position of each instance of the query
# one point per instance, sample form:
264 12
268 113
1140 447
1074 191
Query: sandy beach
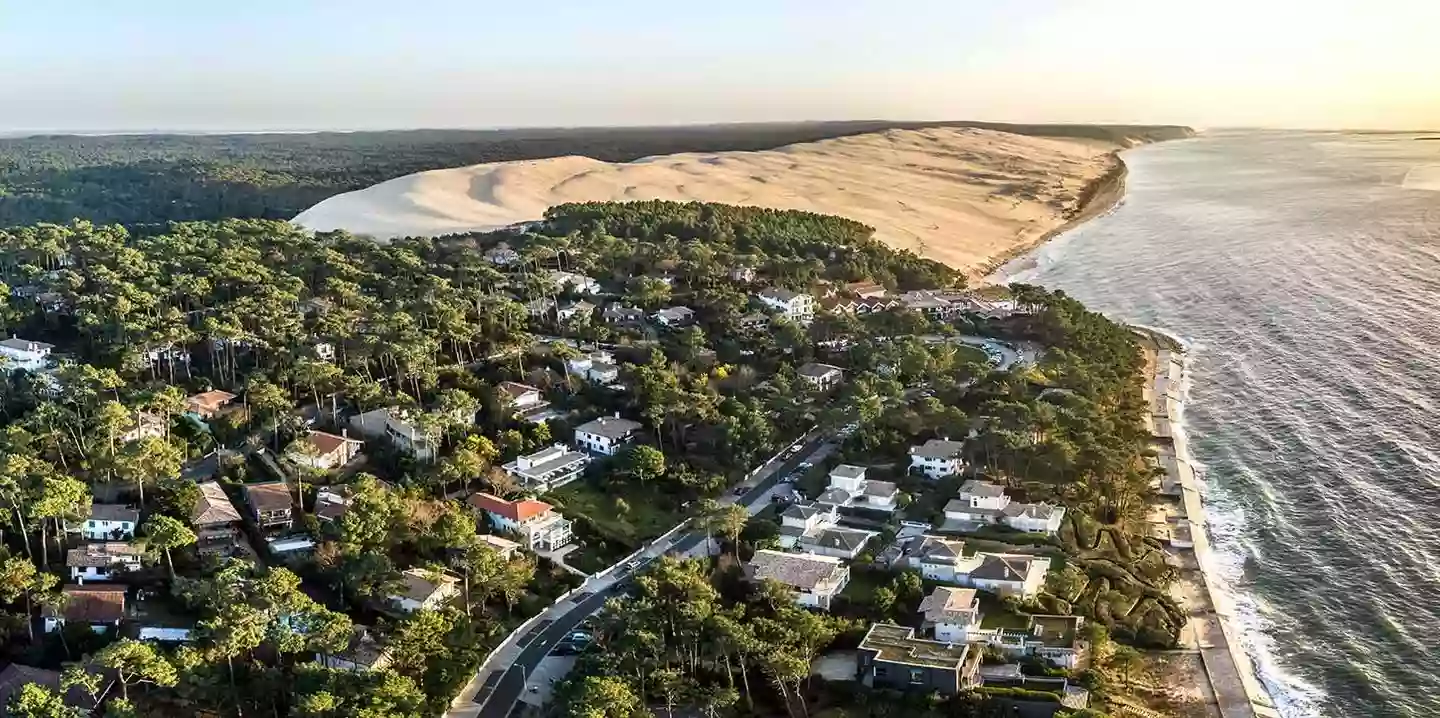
971 198
1231 688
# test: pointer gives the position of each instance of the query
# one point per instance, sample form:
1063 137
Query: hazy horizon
90 67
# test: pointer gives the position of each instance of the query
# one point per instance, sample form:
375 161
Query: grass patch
622 512
993 614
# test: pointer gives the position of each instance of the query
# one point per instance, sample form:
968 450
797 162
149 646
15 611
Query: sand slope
962 196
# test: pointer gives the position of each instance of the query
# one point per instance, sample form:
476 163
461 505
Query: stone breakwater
1212 630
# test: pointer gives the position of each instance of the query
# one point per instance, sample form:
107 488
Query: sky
266 65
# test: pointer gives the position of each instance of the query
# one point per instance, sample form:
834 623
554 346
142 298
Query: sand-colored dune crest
963 196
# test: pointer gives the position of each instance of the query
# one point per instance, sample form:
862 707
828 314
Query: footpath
1212 630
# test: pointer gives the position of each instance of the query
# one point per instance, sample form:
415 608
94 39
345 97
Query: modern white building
938 458
952 613
549 468
425 590
795 306
937 558
102 561
110 522
674 316
396 426
821 376
816 580
24 354
850 488
598 366
982 502
606 435
539 526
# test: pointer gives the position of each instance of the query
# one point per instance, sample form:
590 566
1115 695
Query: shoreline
1236 690
1105 193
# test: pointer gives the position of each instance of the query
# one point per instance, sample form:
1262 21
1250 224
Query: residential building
598 366
548 468
331 502
810 527
424 589
617 313
539 526
837 542
101 607
742 273
754 322
271 505
821 376
674 316
323 451
951 613
1019 575
324 351
804 517
572 282
816 580
938 458
933 304
363 653
850 488
147 425
209 404
579 311
541 307
795 306
163 634
527 402
16 676
102 561
110 522
215 519
606 435
395 426
24 354
937 558
893 656
503 546
982 502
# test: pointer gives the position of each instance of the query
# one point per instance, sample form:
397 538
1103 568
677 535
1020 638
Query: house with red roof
540 527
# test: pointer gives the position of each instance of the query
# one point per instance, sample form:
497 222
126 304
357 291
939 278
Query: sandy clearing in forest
962 196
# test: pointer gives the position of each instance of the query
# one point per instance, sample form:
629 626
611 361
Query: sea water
1304 271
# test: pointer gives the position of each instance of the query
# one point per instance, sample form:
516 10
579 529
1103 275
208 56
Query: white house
527 402
395 426
323 451
1009 574
577 283
674 316
617 313
24 354
937 458
952 613
579 311
821 376
100 607
425 589
978 502
598 366
503 546
536 522
816 580
938 558
110 522
836 541
606 435
849 487
795 306
101 561
1036 518
548 468
324 351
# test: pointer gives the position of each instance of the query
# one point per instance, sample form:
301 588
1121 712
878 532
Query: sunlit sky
94 65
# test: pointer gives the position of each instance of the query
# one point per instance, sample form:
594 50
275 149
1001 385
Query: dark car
565 648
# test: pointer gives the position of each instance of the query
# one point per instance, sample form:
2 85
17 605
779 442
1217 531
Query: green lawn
994 615
630 513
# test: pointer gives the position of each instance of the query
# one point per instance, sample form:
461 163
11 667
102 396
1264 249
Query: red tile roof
92 604
327 444
513 510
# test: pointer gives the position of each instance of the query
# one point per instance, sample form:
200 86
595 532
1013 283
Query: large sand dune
966 197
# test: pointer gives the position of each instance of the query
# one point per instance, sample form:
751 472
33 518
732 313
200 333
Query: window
917 675
880 671
89 524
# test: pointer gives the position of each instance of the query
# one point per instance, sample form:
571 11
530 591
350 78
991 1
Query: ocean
1304 271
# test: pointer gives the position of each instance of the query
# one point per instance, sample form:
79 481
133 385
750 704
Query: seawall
1213 623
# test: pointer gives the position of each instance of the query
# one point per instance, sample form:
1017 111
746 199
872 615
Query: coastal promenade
1212 630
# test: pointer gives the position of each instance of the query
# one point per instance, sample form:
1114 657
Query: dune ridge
967 197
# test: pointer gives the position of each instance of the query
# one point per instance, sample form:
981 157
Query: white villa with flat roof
549 468
951 613
850 488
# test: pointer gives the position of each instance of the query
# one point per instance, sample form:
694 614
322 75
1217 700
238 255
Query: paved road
497 697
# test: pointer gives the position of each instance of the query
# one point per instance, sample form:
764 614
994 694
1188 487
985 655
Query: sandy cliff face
961 196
